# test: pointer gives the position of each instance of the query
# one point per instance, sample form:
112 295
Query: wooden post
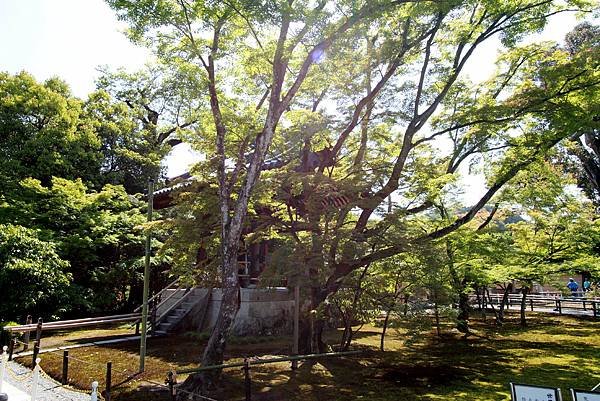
558 301
27 334
296 324
36 351
247 380
11 348
108 380
38 330
146 280
171 383
594 307
153 318
65 370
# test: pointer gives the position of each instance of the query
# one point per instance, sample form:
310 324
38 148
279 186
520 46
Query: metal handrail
175 305
162 302
168 287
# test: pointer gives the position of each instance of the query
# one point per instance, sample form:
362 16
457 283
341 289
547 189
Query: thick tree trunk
304 336
320 344
215 349
463 312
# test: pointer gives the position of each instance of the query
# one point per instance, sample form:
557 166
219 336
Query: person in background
573 286
587 285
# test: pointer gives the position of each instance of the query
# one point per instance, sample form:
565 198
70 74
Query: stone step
163 326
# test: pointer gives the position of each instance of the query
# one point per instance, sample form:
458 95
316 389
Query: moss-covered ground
553 351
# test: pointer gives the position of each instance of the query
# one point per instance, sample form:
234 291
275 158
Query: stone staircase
186 305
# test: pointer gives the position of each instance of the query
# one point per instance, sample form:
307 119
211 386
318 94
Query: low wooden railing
558 304
70 324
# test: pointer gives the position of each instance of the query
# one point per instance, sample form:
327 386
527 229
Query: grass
553 351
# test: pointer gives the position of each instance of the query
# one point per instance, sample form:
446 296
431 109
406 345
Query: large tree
140 117
583 151
362 91
41 132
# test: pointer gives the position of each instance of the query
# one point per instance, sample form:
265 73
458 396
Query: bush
33 278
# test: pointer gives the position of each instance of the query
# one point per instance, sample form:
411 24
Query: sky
71 38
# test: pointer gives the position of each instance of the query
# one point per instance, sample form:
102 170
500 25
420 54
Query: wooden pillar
27 334
296 324
38 331
247 380
146 280
108 381
65 370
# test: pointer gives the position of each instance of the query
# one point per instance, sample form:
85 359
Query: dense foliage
70 169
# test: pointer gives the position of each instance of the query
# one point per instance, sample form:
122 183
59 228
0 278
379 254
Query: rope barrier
86 362
125 376
30 381
70 388
16 377
196 395
203 397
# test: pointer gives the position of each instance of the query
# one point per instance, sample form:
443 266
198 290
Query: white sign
523 392
582 395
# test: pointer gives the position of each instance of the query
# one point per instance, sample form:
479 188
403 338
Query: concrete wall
263 311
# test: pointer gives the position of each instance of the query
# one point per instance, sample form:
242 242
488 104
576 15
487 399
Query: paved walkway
18 381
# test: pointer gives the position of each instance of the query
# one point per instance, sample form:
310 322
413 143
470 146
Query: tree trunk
525 290
350 315
347 328
385 324
406 304
493 308
304 337
215 349
437 319
463 312
319 327
500 316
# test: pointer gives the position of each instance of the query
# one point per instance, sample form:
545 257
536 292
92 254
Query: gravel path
48 390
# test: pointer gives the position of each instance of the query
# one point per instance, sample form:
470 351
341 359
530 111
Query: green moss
553 351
